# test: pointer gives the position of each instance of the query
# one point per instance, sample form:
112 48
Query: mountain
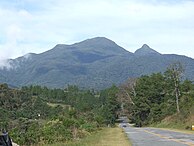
146 50
94 63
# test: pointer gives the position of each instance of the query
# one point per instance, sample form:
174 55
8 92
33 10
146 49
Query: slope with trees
159 97
39 115
95 63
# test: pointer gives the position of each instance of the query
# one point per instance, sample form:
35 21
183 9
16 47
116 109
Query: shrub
89 127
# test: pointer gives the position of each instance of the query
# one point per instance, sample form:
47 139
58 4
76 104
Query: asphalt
157 137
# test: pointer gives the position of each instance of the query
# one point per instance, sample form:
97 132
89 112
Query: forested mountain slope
94 63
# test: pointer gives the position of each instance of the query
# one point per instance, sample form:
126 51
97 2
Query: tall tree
147 106
125 96
174 73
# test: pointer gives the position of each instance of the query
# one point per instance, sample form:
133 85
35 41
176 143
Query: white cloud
36 26
5 64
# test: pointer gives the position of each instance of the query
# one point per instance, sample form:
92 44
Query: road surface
157 137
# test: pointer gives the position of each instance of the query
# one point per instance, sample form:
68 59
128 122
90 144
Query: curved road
157 137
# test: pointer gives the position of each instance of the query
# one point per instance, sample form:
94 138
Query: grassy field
105 137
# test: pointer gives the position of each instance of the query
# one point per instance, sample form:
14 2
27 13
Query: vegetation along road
158 137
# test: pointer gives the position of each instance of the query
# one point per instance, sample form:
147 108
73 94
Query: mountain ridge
94 63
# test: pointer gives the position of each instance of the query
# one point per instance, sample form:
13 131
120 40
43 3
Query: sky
35 26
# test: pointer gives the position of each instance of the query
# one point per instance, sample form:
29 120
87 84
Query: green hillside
94 63
37 115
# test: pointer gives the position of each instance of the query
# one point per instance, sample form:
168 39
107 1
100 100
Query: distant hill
94 63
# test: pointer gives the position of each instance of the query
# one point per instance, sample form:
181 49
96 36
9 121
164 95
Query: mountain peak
100 44
146 50
103 41
145 46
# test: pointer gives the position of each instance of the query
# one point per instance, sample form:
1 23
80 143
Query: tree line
39 115
151 98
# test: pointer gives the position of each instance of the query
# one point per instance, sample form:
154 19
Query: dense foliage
38 114
153 98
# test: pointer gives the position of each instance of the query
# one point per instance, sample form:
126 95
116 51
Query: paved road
158 137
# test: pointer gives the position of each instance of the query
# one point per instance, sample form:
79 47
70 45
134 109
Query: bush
27 133
55 131
89 127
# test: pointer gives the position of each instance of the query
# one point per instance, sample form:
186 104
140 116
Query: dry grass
176 123
105 137
58 104
112 137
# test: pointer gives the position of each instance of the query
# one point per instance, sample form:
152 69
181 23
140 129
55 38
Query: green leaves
38 114
110 106
150 100
160 95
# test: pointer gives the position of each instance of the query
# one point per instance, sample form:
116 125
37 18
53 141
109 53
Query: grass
106 137
174 123
58 104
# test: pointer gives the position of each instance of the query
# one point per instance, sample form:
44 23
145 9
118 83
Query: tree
125 96
174 73
128 88
109 104
186 86
150 92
